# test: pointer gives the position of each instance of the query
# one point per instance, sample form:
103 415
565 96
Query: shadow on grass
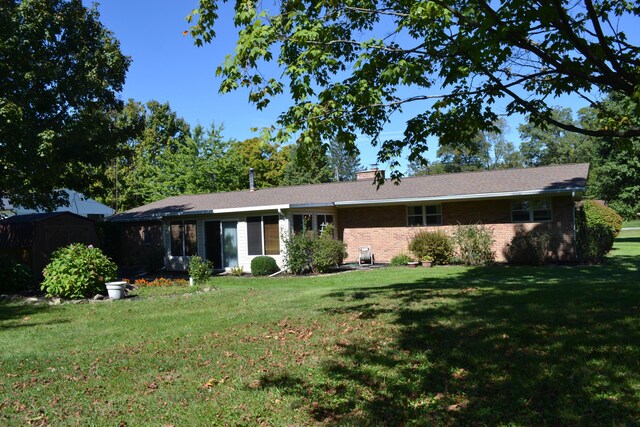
497 345
12 315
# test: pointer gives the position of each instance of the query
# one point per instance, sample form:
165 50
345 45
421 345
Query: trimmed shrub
530 248
401 259
473 244
199 270
78 271
264 266
14 276
597 227
435 244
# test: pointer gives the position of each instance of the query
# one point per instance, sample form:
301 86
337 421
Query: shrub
13 275
473 244
530 248
264 266
435 244
78 271
309 252
597 227
401 259
299 248
327 252
237 271
199 270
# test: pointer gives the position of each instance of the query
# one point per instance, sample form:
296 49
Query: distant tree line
615 162
164 156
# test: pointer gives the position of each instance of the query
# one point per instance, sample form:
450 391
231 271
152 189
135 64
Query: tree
487 150
462 157
349 65
268 161
153 164
60 72
615 165
306 167
343 163
546 145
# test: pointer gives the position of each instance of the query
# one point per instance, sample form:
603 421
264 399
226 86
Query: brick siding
385 229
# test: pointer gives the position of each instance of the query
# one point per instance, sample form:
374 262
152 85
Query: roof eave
574 191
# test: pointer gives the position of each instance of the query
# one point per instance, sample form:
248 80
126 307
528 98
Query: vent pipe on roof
251 182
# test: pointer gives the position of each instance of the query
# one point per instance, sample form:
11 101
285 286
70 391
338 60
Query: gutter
571 190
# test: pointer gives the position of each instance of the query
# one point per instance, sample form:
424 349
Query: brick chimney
369 175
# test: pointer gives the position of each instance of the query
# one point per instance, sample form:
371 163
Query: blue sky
168 67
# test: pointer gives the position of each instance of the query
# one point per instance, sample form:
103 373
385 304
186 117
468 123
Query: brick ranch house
231 228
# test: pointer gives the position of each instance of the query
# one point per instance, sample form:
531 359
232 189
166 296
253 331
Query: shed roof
557 179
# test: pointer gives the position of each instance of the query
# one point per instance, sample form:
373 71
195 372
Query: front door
213 243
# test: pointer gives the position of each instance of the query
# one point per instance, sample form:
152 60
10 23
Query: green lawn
630 224
395 346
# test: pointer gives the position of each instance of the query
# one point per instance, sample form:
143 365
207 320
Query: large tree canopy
60 70
349 65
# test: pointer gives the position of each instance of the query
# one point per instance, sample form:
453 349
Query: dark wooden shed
30 239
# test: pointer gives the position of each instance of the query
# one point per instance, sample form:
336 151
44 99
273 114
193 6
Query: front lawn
395 346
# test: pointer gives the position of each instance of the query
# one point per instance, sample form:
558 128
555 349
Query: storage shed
30 239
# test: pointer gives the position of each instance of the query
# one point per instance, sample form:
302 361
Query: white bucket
116 289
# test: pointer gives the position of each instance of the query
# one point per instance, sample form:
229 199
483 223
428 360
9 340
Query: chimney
251 184
369 175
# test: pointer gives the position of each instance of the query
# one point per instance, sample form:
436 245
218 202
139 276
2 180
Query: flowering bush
78 271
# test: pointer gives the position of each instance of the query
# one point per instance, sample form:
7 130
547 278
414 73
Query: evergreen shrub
264 266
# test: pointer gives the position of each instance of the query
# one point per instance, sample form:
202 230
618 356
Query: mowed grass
396 346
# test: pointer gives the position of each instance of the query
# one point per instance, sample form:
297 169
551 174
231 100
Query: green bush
401 259
78 271
264 266
597 226
308 252
530 248
199 270
299 248
327 253
473 244
14 276
435 244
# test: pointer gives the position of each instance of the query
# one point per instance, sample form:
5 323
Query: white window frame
314 220
532 207
423 216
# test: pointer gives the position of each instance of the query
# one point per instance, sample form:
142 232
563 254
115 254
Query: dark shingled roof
466 185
